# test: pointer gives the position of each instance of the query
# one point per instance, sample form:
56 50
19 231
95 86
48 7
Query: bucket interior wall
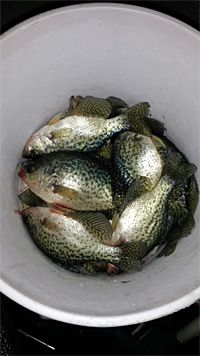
99 50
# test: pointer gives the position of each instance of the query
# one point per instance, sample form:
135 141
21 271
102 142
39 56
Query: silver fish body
136 156
75 240
69 180
79 133
144 219
136 161
71 237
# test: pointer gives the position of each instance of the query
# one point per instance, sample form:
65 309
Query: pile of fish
106 187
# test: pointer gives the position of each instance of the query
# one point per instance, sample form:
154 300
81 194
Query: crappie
182 204
70 180
144 219
80 133
191 187
180 215
135 156
75 240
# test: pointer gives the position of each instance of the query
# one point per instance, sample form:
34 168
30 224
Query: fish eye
30 167
35 153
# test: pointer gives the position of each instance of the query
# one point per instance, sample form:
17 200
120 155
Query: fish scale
134 157
76 181
144 219
78 239
81 133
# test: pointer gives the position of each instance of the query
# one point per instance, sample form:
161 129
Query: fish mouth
30 213
29 151
21 171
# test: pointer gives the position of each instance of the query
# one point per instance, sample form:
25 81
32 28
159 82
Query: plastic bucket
98 49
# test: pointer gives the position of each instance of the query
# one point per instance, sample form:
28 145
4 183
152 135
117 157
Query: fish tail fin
193 194
140 110
136 115
132 253
131 119
177 169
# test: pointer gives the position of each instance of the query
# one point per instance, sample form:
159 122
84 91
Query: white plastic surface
98 49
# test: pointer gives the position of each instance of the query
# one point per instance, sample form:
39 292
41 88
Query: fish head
29 171
36 146
31 213
41 217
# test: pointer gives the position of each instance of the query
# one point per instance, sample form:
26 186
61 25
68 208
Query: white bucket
98 49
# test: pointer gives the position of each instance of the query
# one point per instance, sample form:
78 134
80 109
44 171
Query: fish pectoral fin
158 142
50 225
177 210
66 192
56 118
62 133
115 220
168 249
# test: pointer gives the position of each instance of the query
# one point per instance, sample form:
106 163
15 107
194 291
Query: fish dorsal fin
56 118
66 192
92 106
97 223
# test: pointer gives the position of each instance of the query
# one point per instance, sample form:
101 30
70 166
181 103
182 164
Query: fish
75 240
182 204
68 179
135 160
190 187
80 133
180 218
144 219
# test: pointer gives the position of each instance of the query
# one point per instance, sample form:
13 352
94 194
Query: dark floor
29 334
25 332
13 12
